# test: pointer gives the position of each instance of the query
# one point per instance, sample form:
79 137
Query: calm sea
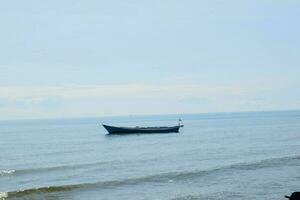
216 156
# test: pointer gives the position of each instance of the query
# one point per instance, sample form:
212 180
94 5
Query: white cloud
127 99
128 90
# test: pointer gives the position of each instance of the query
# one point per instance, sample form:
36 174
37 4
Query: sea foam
6 172
3 195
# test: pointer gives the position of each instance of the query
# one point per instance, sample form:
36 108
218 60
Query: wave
3 195
271 162
6 172
69 167
53 168
42 191
214 195
188 197
244 166
163 178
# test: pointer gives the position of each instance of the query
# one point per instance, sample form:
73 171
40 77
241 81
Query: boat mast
179 122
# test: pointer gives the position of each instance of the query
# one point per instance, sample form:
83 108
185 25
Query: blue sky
94 58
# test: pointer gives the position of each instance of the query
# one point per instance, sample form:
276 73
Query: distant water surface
230 156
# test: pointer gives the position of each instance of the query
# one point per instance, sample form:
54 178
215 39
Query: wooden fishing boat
142 130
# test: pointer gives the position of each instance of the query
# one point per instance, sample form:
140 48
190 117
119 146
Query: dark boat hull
141 130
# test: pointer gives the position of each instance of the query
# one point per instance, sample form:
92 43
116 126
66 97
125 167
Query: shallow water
216 156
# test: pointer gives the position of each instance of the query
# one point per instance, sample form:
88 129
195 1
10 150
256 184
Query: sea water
215 156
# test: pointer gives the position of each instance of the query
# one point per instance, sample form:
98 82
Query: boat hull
141 130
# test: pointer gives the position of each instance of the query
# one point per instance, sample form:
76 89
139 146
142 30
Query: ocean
254 155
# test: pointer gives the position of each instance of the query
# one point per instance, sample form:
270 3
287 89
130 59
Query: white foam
6 172
3 195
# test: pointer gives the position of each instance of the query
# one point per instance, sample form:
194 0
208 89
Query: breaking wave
6 172
3 195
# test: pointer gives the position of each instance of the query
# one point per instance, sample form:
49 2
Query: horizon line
155 114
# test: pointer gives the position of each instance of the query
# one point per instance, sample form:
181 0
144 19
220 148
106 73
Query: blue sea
230 156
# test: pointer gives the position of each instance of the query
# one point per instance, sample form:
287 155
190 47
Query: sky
135 57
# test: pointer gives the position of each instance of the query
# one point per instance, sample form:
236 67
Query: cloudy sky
126 57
